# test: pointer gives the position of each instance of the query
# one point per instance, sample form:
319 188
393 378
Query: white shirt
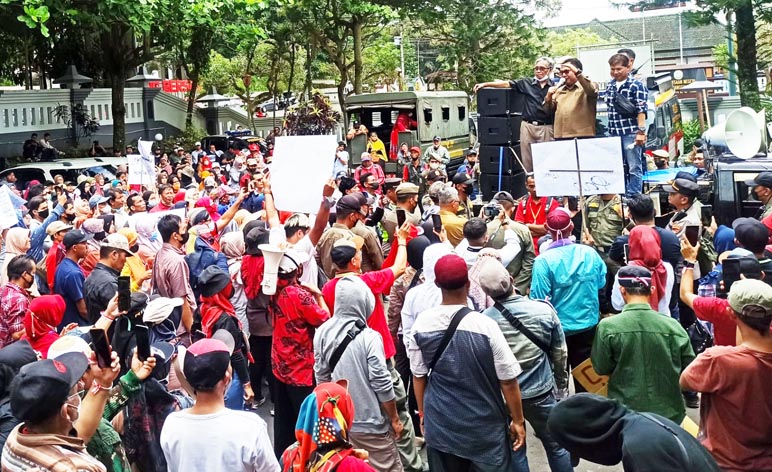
310 273
507 253
224 441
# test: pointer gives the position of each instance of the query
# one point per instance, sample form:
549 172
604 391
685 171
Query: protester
734 418
15 298
57 253
573 101
532 211
69 280
452 223
12 358
171 274
474 424
209 436
605 432
17 242
476 238
101 285
522 265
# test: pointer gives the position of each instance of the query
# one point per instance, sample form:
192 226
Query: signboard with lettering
171 86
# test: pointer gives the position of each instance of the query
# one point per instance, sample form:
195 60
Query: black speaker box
514 184
489 157
499 102
495 130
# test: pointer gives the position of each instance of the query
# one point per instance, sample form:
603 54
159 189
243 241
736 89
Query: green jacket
521 266
643 353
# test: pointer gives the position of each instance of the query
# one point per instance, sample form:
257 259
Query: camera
491 210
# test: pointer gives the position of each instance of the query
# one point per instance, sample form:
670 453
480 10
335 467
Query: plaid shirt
14 301
637 93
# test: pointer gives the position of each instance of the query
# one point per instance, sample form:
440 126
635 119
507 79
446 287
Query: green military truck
444 114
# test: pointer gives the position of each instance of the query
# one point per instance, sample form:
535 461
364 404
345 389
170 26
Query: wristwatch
688 265
642 129
328 202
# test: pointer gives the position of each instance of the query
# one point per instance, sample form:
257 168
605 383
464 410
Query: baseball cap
344 249
96 200
472 152
159 308
74 237
251 162
683 186
197 143
415 149
213 280
205 363
450 272
661 153
749 230
407 188
42 387
764 179
494 278
436 138
117 241
291 261
435 176
209 182
56 227
503 197
632 276
349 203
462 178
751 298
366 156
255 237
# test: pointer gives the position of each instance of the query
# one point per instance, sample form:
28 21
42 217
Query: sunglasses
565 72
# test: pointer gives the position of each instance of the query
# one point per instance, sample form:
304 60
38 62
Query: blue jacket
38 235
570 277
202 257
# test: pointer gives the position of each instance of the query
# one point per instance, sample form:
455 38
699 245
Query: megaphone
743 132
272 255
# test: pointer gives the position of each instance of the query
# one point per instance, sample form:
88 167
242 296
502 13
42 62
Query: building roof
662 29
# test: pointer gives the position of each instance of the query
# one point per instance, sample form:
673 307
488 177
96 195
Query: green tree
564 43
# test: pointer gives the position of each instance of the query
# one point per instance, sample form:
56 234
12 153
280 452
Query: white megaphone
272 255
743 132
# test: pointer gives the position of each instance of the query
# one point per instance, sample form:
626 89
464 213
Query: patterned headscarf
323 425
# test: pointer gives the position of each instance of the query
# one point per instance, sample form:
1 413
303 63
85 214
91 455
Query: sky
582 11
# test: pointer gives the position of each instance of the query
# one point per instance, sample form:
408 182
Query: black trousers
579 349
289 398
260 346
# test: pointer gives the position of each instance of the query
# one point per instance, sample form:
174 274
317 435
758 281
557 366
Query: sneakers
255 404
691 399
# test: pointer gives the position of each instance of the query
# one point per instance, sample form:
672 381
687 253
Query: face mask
100 235
185 238
374 186
434 166
176 186
134 248
69 217
43 214
468 189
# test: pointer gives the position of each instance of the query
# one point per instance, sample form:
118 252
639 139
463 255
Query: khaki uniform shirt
575 108
372 254
324 246
604 220
454 226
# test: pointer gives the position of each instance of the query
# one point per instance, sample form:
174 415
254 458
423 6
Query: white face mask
434 165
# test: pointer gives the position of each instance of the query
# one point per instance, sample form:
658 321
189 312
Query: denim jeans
234 396
634 160
536 411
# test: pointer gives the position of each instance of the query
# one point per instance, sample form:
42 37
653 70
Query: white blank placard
301 166
600 160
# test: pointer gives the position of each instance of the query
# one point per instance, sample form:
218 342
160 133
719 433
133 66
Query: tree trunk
293 48
309 81
356 30
746 55
191 101
117 84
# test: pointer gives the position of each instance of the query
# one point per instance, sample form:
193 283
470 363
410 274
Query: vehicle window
26 175
427 115
461 113
377 121
445 113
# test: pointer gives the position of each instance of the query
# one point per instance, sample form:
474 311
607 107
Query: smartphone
101 347
437 223
730 269
401 217
627 253
706 214
692 233
143 342
124 293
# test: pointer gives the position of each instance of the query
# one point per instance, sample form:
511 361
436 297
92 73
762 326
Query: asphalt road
537 460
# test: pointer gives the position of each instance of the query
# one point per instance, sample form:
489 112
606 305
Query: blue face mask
155 236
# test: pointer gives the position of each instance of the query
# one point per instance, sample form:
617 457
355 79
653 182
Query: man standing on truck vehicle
573 101
626 104
537 121
438 151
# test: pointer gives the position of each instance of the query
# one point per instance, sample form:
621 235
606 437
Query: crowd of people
399 317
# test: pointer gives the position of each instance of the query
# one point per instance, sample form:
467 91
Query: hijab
232 245
44 314
323 425
646 251
16 243
147 235
242 217
214 306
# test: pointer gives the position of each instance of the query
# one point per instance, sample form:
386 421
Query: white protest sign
600 161
301 166
8 216
141 170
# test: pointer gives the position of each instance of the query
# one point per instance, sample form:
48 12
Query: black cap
764 179
138 303
683 186
462 178
503 197
435 176
76 236
255 237
471 152
750 232
213 280
633 276
350 203
205 363
41 388
686 175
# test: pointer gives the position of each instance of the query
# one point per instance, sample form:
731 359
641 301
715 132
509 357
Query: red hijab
646 251
44 314
214 306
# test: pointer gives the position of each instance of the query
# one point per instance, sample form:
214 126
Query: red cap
558 221
416 149
254 147
450 272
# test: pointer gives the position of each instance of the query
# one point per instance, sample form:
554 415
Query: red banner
171 85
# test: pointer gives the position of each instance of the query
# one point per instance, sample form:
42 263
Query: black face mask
185 238
100 235
43 214
69 217
374 186
134 248
468 189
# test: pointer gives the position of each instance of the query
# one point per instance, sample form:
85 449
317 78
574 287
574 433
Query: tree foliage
564 43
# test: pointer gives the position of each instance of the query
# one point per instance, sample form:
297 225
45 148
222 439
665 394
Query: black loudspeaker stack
498 132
